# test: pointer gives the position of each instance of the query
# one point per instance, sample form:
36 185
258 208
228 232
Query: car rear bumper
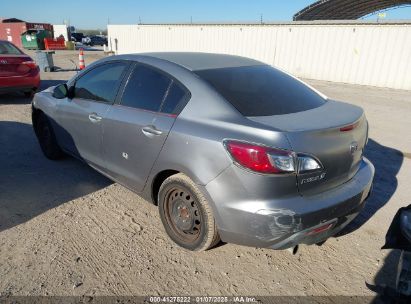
285 222
19 83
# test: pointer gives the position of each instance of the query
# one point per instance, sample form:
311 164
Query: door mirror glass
60 91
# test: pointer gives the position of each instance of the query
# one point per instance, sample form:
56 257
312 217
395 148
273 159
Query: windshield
262 90
7 48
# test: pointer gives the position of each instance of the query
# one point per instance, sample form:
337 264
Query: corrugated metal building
366 53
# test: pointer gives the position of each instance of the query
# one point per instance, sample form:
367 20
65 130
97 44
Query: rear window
8 49
261 90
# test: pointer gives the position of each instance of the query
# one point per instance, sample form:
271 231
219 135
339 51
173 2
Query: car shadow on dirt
387 162
30 184
19 98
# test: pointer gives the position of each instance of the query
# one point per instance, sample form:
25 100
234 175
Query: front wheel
46 137
186 215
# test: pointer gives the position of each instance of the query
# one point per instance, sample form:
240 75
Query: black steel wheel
182 214
186 215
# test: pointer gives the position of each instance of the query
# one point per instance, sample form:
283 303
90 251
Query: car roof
203 61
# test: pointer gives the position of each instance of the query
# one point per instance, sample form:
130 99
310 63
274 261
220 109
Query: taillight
349 127
269 160
30 64
260 158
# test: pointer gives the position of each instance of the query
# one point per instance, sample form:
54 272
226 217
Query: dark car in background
77 37
18 71
227 147
95 40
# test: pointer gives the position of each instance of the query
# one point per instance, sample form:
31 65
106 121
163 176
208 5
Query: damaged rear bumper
288 221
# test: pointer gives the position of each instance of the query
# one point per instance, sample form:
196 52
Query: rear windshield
261 90
8 49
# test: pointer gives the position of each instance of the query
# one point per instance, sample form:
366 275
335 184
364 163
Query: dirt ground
67 230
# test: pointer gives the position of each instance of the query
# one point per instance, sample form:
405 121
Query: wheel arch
35 114
152 188
158 180
154 183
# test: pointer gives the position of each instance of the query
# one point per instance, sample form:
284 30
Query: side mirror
61 91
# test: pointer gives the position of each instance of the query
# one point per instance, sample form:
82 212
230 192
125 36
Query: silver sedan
229 148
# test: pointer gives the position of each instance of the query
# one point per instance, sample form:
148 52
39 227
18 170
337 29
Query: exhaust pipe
293 250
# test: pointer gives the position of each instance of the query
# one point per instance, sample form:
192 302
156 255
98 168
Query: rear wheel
29 94
46 137
186 215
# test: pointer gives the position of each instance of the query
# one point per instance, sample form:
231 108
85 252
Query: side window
145 89
176 99
101 83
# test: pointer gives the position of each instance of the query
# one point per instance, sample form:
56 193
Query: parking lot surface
67 230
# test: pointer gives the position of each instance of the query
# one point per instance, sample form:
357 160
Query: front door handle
151 130
93 117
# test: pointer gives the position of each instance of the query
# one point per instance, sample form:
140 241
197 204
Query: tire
186 215
29 94
47 139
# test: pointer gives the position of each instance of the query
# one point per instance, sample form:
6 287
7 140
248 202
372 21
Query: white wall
60 29
358 53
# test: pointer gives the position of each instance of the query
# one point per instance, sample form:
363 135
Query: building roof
275 23
10 20
345 9
203 61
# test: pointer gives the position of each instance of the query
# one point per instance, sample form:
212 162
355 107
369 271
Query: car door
135 129
80 117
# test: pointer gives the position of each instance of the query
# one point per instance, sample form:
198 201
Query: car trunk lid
12 65
334 133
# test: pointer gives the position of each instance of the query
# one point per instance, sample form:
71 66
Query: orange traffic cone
82 65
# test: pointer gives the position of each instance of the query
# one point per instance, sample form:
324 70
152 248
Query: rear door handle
150 131
93 117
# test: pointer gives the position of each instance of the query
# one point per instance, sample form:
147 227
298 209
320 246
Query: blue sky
89 14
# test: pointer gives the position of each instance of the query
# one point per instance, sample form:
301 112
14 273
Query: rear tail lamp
30 64
349 127
269 160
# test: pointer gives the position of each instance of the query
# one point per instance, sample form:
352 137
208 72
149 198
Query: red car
18 72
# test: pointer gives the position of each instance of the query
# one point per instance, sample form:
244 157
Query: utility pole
261 19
